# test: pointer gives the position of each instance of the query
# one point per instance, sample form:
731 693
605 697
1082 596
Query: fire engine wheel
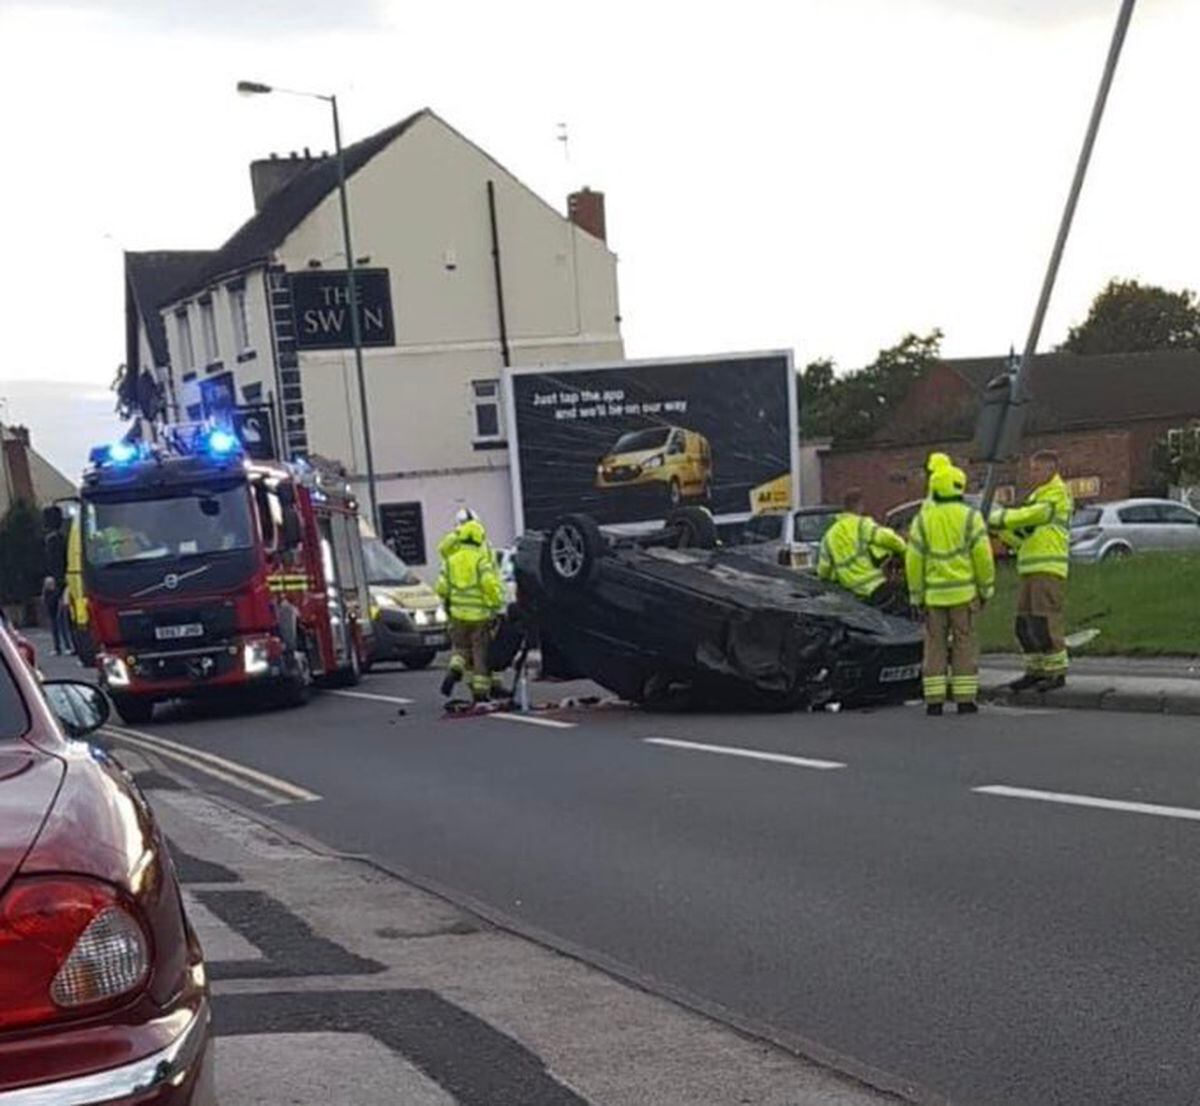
133 709
350 673
297 686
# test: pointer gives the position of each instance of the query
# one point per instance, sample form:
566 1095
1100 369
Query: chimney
586 210
269 175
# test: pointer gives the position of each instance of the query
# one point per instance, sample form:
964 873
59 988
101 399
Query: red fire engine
207 571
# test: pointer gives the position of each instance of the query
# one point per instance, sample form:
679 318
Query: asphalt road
863 896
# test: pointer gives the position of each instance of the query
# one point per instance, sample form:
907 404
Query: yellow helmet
937 461
948 482
472 532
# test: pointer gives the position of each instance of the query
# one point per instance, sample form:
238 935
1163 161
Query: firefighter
934 462
1040 532
473 592
951 574
852 550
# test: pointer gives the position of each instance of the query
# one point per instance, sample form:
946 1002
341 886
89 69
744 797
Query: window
252 393
1086 516
208 329
187 352
237 312
1142 514
485 395
812 527
1179 516
762 528
195 412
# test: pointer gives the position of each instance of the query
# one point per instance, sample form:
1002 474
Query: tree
21 559
1128 317
853 407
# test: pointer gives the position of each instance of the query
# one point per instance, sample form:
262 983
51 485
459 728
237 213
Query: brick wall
890 475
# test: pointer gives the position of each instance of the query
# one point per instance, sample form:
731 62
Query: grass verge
1146 605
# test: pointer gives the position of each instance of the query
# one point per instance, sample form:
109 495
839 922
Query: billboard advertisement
629 440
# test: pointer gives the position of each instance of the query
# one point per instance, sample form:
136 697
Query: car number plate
173 633
436 639
899 673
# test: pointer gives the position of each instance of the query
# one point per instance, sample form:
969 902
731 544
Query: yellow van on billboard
678 461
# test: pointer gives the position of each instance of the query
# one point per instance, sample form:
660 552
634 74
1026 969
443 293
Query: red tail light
67 946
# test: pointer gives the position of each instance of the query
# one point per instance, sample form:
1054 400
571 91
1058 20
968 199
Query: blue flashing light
122 453
221 443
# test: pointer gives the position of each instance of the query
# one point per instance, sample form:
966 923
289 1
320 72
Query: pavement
990 910
1156 685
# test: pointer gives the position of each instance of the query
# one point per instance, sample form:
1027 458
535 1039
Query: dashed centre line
373 696
749 754
1066 798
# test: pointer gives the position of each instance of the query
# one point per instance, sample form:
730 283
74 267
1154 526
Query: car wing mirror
80 708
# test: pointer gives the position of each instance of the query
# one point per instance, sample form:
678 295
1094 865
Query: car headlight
655 462
256 658
385 600
440 615
116 673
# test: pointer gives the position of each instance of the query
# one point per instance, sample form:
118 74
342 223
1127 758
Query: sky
821 175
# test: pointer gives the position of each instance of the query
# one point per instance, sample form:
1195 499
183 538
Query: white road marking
251 779
533 720
750 754
1186 813
400 700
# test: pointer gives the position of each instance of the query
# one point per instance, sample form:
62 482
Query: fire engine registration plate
900 673
173 633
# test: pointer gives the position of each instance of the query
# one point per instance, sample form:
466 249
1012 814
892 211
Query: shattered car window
811 528
763 528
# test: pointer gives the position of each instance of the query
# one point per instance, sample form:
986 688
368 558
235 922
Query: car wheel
571 550
696 527
133 709
1117 553
417 661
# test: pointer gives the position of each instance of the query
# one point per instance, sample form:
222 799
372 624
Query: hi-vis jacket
949 561
848 551
1040 529
469 582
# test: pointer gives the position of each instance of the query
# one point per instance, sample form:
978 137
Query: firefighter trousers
951 665
1042 624
469 642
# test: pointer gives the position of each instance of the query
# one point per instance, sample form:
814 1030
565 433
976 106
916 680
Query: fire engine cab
205 571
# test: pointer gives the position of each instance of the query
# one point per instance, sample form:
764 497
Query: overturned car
668 619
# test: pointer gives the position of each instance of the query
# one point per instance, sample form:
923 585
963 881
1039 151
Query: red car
103 992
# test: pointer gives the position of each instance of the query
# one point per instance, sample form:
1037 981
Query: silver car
1127 526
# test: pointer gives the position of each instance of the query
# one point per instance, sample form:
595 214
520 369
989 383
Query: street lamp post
252 88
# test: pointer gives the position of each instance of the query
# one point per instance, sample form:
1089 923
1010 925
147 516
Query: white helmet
465 514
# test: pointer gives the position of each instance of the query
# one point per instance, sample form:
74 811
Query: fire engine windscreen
191 524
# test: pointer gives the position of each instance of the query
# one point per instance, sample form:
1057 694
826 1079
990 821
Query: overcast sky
818 174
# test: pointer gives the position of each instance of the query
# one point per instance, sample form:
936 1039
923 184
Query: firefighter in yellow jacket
951 574
470 586
851 552
1040 532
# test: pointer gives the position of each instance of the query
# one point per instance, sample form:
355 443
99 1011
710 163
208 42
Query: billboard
629 440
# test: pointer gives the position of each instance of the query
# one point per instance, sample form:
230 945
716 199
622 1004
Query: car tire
571 549
350 674
416 661
134 710
696 526
1117 553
